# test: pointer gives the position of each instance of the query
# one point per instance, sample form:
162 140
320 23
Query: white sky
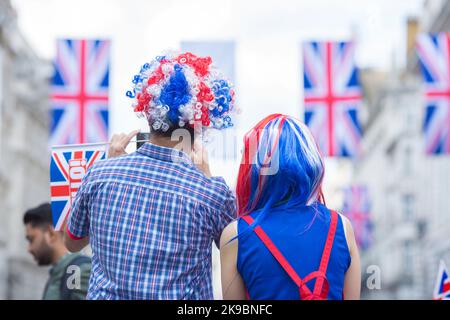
267 35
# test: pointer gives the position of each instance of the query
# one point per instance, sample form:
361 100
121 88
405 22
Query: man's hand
119 142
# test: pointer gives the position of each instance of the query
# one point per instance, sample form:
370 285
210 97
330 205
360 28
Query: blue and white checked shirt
151 217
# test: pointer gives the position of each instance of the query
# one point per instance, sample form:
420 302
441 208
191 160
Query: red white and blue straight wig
281 167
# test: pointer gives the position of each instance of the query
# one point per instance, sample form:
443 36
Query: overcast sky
267 35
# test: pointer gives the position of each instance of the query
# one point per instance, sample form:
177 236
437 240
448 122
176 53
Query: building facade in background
410 191
24 161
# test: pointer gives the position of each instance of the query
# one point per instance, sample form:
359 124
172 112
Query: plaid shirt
151 217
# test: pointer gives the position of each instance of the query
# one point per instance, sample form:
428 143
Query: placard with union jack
357 209
332 96
434 59
68 166
79 94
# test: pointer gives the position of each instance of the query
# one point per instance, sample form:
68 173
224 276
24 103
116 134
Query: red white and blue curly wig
180 91
281 167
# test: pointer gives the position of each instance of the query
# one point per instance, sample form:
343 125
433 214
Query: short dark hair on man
172 128
39 216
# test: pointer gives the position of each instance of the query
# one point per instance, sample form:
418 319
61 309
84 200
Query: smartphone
142 137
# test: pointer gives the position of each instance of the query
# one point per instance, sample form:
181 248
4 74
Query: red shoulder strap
319 275
326 253
279 256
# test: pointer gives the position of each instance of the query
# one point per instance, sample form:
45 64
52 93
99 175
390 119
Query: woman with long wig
286 244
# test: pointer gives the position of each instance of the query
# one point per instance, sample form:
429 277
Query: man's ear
50 234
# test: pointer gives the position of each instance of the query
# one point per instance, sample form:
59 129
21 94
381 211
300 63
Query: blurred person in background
69 274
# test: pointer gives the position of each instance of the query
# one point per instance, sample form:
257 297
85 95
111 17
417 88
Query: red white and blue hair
182 90
281 167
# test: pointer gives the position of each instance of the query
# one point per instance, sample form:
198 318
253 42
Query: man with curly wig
151 216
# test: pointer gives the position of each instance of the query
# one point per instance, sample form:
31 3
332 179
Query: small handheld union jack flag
357 208
68 166
434 58
80 92
442 289
332 97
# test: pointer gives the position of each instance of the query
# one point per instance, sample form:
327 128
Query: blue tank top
300 235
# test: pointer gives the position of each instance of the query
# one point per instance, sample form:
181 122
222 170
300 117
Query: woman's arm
352 281
233 287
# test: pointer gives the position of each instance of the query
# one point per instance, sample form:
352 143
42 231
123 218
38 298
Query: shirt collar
164 153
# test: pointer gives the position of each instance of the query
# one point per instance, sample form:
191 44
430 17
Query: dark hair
39 216
171 130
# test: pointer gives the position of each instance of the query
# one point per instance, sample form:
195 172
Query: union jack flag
357 209
434 59
68 166
80 92
442 289
332 97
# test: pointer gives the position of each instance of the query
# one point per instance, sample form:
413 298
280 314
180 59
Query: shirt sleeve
78 222
225 215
